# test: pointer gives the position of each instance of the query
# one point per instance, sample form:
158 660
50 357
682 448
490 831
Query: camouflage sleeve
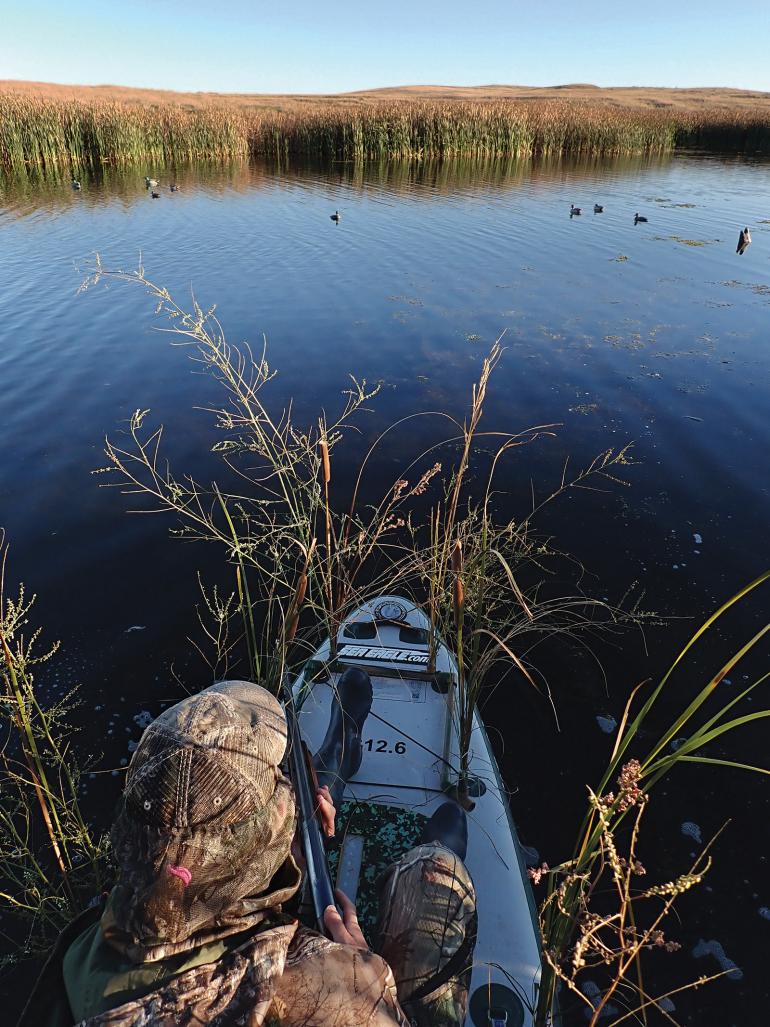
329 985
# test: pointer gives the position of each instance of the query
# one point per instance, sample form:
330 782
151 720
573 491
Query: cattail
458 592
292 620
327 469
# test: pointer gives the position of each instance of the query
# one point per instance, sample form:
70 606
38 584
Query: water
654 334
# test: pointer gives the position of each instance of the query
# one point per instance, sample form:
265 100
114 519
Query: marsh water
654 334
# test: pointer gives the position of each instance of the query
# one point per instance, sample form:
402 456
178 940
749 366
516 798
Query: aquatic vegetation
706 718
621 915
37 132
51 862
686 242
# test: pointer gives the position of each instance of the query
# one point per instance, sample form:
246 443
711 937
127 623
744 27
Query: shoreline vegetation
39 131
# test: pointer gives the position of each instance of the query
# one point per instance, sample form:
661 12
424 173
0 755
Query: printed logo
365 652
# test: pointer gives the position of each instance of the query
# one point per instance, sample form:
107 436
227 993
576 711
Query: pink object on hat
181 872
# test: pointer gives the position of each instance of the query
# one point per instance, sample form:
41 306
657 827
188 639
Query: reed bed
36 132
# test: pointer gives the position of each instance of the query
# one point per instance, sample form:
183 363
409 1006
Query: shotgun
302 776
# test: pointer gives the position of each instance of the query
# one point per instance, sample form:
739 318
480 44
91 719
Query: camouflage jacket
285 976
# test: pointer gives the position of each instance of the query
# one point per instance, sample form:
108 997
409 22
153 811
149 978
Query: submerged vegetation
37 132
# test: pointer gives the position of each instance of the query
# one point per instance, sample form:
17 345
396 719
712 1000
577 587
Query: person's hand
344 929
326 810
327 813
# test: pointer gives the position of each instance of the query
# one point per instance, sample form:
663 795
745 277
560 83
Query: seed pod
299 594
457 558
324 447
458 592
291 626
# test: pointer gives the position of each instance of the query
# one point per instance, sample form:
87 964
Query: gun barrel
318 874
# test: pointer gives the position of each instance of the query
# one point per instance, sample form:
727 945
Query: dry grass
42 130
633 97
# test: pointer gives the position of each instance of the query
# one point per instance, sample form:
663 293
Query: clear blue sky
339 45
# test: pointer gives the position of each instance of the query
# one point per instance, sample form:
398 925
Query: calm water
655 334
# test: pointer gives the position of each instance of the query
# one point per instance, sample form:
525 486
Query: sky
311 46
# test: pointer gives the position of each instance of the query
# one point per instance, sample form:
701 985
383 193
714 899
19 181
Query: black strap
453 966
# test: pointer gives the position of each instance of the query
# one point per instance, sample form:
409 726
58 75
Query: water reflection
50 189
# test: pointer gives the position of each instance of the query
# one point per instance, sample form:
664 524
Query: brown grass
621 96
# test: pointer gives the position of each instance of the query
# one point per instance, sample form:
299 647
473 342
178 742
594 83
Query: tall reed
78 134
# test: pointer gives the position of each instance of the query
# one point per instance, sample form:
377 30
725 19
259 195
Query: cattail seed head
301 590
291 626
458 591
457 558
327 469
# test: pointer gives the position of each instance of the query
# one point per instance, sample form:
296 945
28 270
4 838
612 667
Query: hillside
633 97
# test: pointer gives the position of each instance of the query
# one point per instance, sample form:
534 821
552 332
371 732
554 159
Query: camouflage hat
203 839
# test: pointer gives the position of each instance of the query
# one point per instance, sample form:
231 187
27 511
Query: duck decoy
155 196
76 185
744 241
336 216
598 208
573 210
174 187
150 183
638 218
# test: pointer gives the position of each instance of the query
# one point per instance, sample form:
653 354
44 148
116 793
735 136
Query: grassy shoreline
41 132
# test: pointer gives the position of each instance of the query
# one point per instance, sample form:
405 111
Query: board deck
410 758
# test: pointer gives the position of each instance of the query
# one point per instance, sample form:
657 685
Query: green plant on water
52 864
702 722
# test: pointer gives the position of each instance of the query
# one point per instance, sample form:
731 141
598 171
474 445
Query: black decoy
336 216
598 208
574 210
75 184
155 196
638 218
744 241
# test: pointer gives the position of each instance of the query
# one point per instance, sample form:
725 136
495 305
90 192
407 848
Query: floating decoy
598 208
174 188
150 182
575 210
75 184
155 196
638 218
744 241
336 216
